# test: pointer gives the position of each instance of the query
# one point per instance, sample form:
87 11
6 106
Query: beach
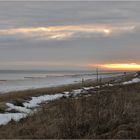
24 106
19 97
13 93
69 69
25 80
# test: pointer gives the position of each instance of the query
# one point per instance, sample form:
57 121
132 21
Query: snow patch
7 117
18 108
135 80
77 91
30 106
38 100
88 88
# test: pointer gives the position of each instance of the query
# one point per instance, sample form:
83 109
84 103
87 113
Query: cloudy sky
69 35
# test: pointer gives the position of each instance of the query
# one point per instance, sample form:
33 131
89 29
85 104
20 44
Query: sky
70 35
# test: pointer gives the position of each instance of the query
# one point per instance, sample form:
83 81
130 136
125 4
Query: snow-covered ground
35 101
31 106
135 80
7 117
17 108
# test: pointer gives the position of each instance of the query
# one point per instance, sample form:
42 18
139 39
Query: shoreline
26 94
39 83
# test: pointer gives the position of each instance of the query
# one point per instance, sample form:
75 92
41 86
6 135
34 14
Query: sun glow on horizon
120 66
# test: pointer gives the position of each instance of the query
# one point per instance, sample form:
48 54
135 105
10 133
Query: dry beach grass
110 112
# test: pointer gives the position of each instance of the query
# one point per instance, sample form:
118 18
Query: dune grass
111 112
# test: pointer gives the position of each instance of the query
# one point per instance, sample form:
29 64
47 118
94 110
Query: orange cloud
67 31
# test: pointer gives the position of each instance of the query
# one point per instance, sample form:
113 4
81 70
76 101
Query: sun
107 31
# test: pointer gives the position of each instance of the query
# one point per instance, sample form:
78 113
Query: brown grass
112 112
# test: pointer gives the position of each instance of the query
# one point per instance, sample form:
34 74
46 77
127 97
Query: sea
17 80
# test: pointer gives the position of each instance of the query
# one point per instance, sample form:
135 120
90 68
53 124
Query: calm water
21 75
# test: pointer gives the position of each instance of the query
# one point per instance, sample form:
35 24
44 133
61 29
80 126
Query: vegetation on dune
111 112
